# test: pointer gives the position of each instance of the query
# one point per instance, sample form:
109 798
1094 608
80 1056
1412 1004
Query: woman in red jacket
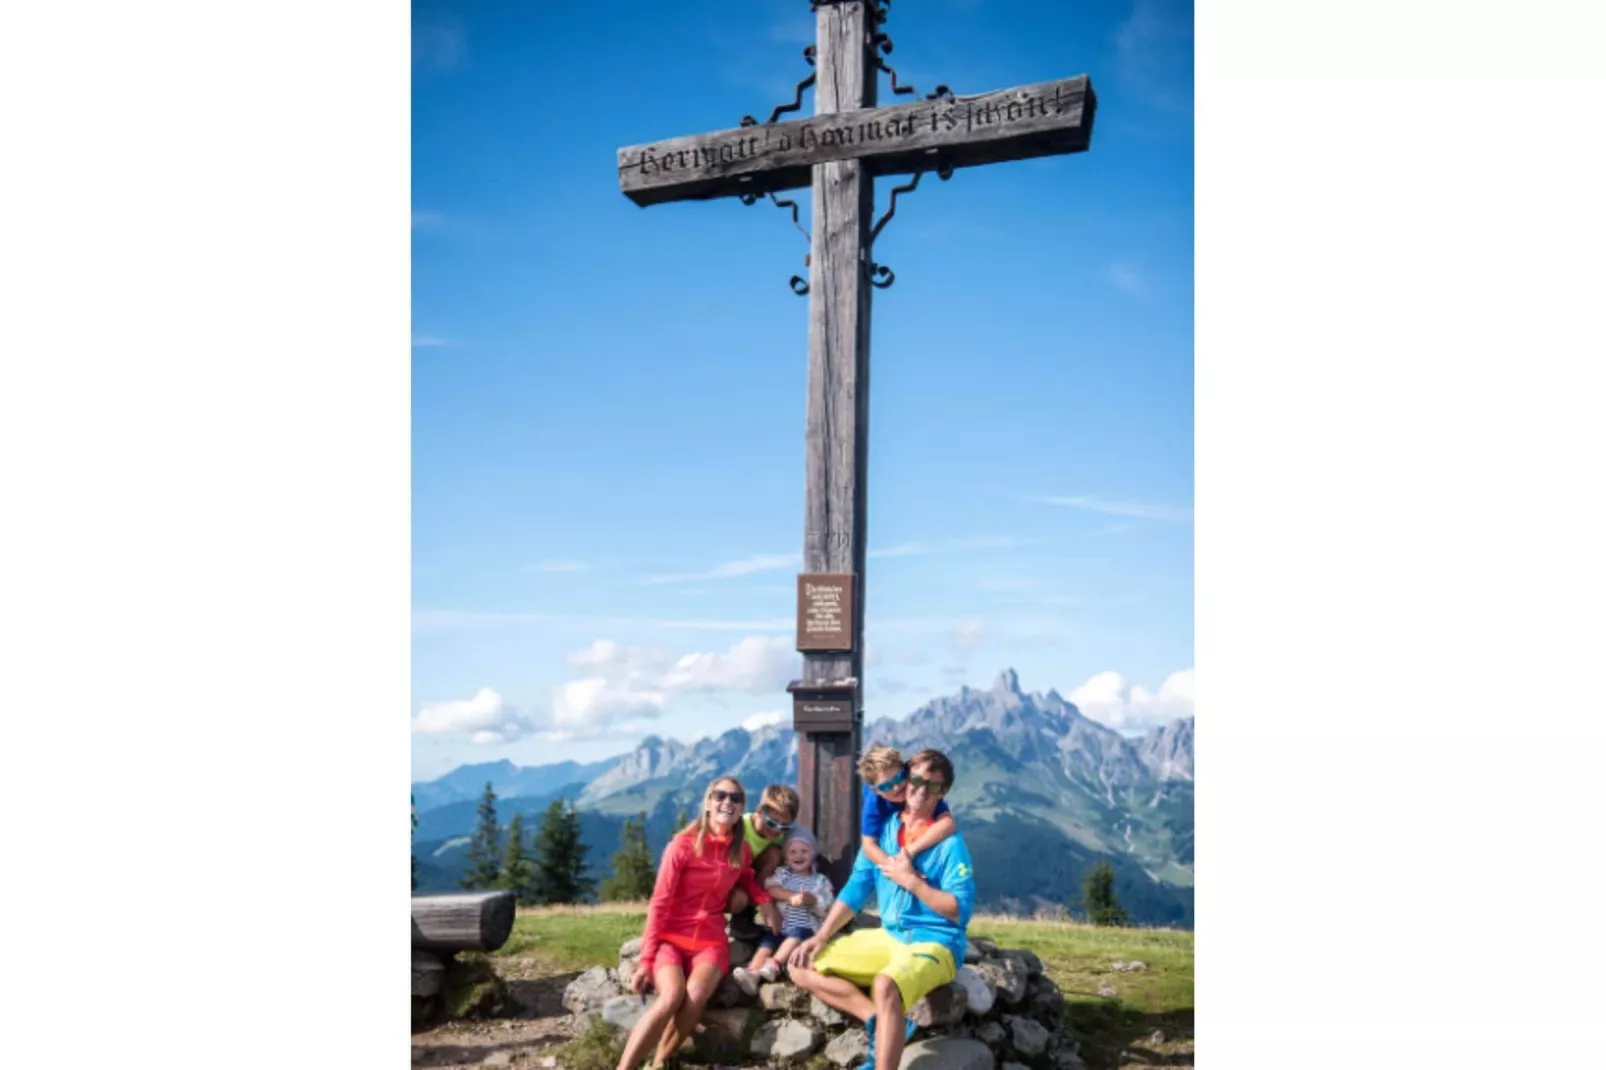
684 951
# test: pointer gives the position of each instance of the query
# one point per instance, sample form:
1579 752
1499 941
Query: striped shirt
803 917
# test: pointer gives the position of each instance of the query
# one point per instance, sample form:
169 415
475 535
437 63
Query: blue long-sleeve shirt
946 867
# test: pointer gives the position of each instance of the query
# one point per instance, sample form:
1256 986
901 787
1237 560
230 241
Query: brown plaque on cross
825 612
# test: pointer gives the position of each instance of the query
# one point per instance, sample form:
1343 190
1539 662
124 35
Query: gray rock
786 1038
1106 991
972 952
622 1012
1034 965
1008 978
783 998
729 994
742 952
992 1034
1044 1001
978 994
940 1007
1014 1066
1128 967
849 1049
726 1033
1068 1060
985 946
590 990
427 973
946 1053
498 1058
830 1017
629 955
1026 1036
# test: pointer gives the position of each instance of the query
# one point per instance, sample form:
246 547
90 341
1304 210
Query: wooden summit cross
840 152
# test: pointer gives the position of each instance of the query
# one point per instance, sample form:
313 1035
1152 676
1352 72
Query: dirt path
522 1037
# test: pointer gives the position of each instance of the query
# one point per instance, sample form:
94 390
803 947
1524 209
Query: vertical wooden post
836 448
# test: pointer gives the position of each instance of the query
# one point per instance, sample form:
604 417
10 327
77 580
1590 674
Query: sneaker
770 972
745 980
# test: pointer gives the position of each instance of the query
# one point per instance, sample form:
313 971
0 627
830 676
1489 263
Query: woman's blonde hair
701 828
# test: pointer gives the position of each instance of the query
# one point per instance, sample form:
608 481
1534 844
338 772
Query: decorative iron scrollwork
881 276
883 46
942 92
799 285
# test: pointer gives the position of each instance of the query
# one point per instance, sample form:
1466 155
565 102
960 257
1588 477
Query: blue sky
608 400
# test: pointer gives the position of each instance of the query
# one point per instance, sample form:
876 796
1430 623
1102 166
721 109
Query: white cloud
487 717
968 634
763 720
756 665
430 341
625 681
970 542
747 566
1109 699
597 701
1139 510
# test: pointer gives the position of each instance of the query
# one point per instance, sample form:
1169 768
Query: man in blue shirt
925 907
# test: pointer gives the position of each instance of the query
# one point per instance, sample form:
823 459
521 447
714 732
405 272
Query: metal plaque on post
825 613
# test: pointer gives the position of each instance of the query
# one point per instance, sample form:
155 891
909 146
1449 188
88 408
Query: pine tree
518 868
484 863
633 877
414 835
682 819
1098 895
560 868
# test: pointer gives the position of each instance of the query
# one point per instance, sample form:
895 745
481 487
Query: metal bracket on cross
881 275
799 285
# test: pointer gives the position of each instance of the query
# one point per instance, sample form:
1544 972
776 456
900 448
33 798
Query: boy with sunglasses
764 830
886 784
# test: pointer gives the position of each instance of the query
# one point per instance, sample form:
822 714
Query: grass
1076 956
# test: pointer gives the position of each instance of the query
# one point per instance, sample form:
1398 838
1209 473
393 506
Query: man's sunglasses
764 815
888 785
932 787
727 796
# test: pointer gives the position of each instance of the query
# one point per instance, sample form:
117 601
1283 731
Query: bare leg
704 979
836 992
784 952
671 986
889 1012
763 955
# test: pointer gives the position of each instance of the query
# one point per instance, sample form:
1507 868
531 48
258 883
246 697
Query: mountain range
1041 792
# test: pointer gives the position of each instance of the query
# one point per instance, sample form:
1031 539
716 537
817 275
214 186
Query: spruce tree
414 835
1098 895
484 861
560 868
633 877
518 868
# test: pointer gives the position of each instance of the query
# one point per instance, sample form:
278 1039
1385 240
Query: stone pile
1001 1013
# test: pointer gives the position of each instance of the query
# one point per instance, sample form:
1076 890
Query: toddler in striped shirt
803 896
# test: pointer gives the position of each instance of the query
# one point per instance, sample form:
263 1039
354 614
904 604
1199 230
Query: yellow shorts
862 955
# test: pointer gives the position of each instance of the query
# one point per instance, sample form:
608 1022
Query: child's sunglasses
888 785
727 796
764 815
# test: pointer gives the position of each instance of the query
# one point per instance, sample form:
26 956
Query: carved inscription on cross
840 152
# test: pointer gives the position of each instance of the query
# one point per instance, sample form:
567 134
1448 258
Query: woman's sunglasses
932 787
727 796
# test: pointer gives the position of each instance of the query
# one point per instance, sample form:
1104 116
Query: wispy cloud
1127 279
457 620
430 341
558 566
1138 510
747 566
1154 53
939 546
423 219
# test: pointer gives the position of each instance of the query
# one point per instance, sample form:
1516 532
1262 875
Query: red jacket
689 898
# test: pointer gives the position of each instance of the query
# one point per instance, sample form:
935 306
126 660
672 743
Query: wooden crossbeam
1045 119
